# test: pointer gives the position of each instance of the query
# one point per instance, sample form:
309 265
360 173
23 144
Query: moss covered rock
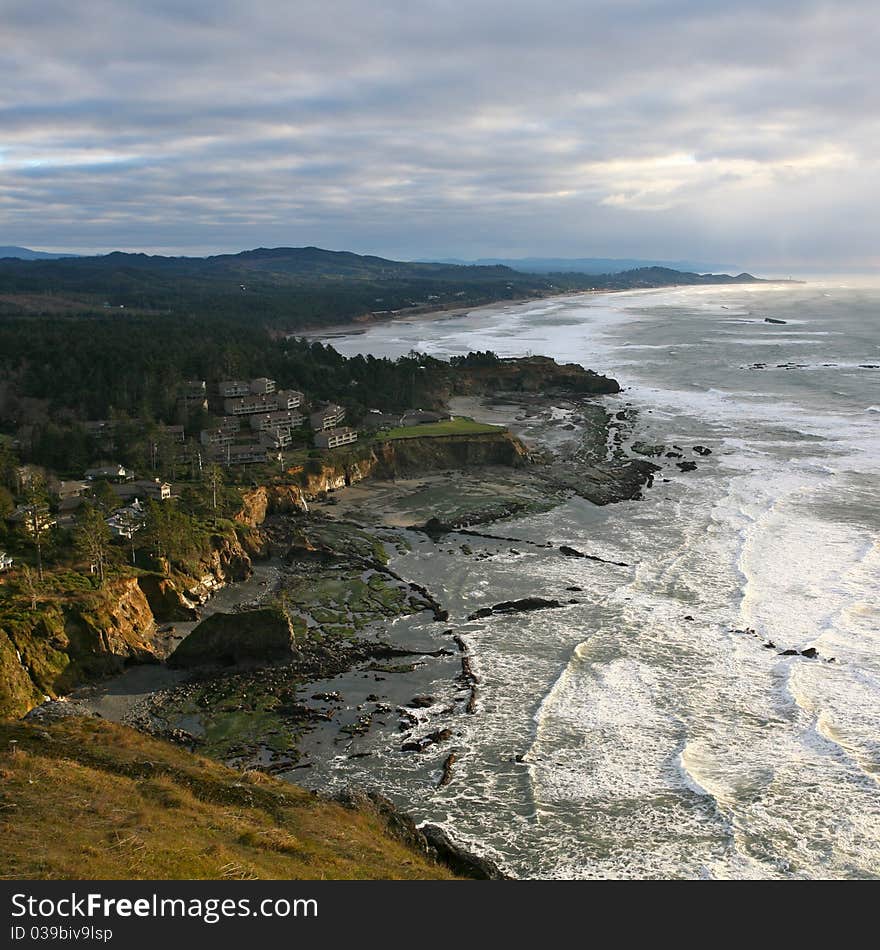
256 636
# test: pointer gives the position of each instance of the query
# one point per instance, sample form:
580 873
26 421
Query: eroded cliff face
383 460
52 650
412 456
60 646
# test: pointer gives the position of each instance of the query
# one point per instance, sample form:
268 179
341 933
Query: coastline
362 324
384 683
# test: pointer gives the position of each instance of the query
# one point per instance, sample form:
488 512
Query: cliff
87 634
382 459
531 374
52 650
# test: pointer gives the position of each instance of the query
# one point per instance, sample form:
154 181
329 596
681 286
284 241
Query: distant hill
590 265
291 286
26 254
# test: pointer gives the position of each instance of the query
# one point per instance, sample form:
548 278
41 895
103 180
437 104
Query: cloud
683 128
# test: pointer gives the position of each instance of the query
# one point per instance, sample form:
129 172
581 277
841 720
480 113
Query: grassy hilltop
88 799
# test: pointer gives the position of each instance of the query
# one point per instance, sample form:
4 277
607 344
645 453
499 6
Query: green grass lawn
459 426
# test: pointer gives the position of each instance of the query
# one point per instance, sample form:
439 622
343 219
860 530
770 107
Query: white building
282 418
124 522
233 388
245 454
216 437
5 561
333 438
144 488
262 386
327 418
289 399
276 438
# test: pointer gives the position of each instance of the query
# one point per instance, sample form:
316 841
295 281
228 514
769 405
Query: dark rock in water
674 455
574 588
702 450
258 636
421 702
688 617
644 448
810 652
458 858
433 738
573 552
515 606
686 466
773 320
789 653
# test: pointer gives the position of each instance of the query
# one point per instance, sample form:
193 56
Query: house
268 402
71 489
262 386
245 405
233 388
279 438
375 419
151 488
245 453
281 418
113 473
216 437
70 498
333 438
230 423
124 522
289 399
5 561
327 418
419 417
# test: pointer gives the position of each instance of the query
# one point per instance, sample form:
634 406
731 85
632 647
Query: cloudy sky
739 131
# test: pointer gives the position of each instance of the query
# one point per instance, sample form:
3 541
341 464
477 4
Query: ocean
659 727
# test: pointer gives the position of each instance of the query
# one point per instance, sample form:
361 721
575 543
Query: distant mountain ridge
26 254
590 265
292 286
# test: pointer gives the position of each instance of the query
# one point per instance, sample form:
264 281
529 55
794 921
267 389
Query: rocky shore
330 646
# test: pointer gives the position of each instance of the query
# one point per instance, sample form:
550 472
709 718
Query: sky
737 131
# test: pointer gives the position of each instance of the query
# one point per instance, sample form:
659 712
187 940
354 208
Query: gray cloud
432 127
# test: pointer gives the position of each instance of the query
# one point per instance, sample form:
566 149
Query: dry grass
88 799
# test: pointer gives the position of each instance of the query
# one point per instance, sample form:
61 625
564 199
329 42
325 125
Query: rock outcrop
261 636
533 374
389 459
48 652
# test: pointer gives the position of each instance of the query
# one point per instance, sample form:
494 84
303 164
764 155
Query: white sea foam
656 745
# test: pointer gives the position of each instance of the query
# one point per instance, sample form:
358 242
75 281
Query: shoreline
359 325
425 659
